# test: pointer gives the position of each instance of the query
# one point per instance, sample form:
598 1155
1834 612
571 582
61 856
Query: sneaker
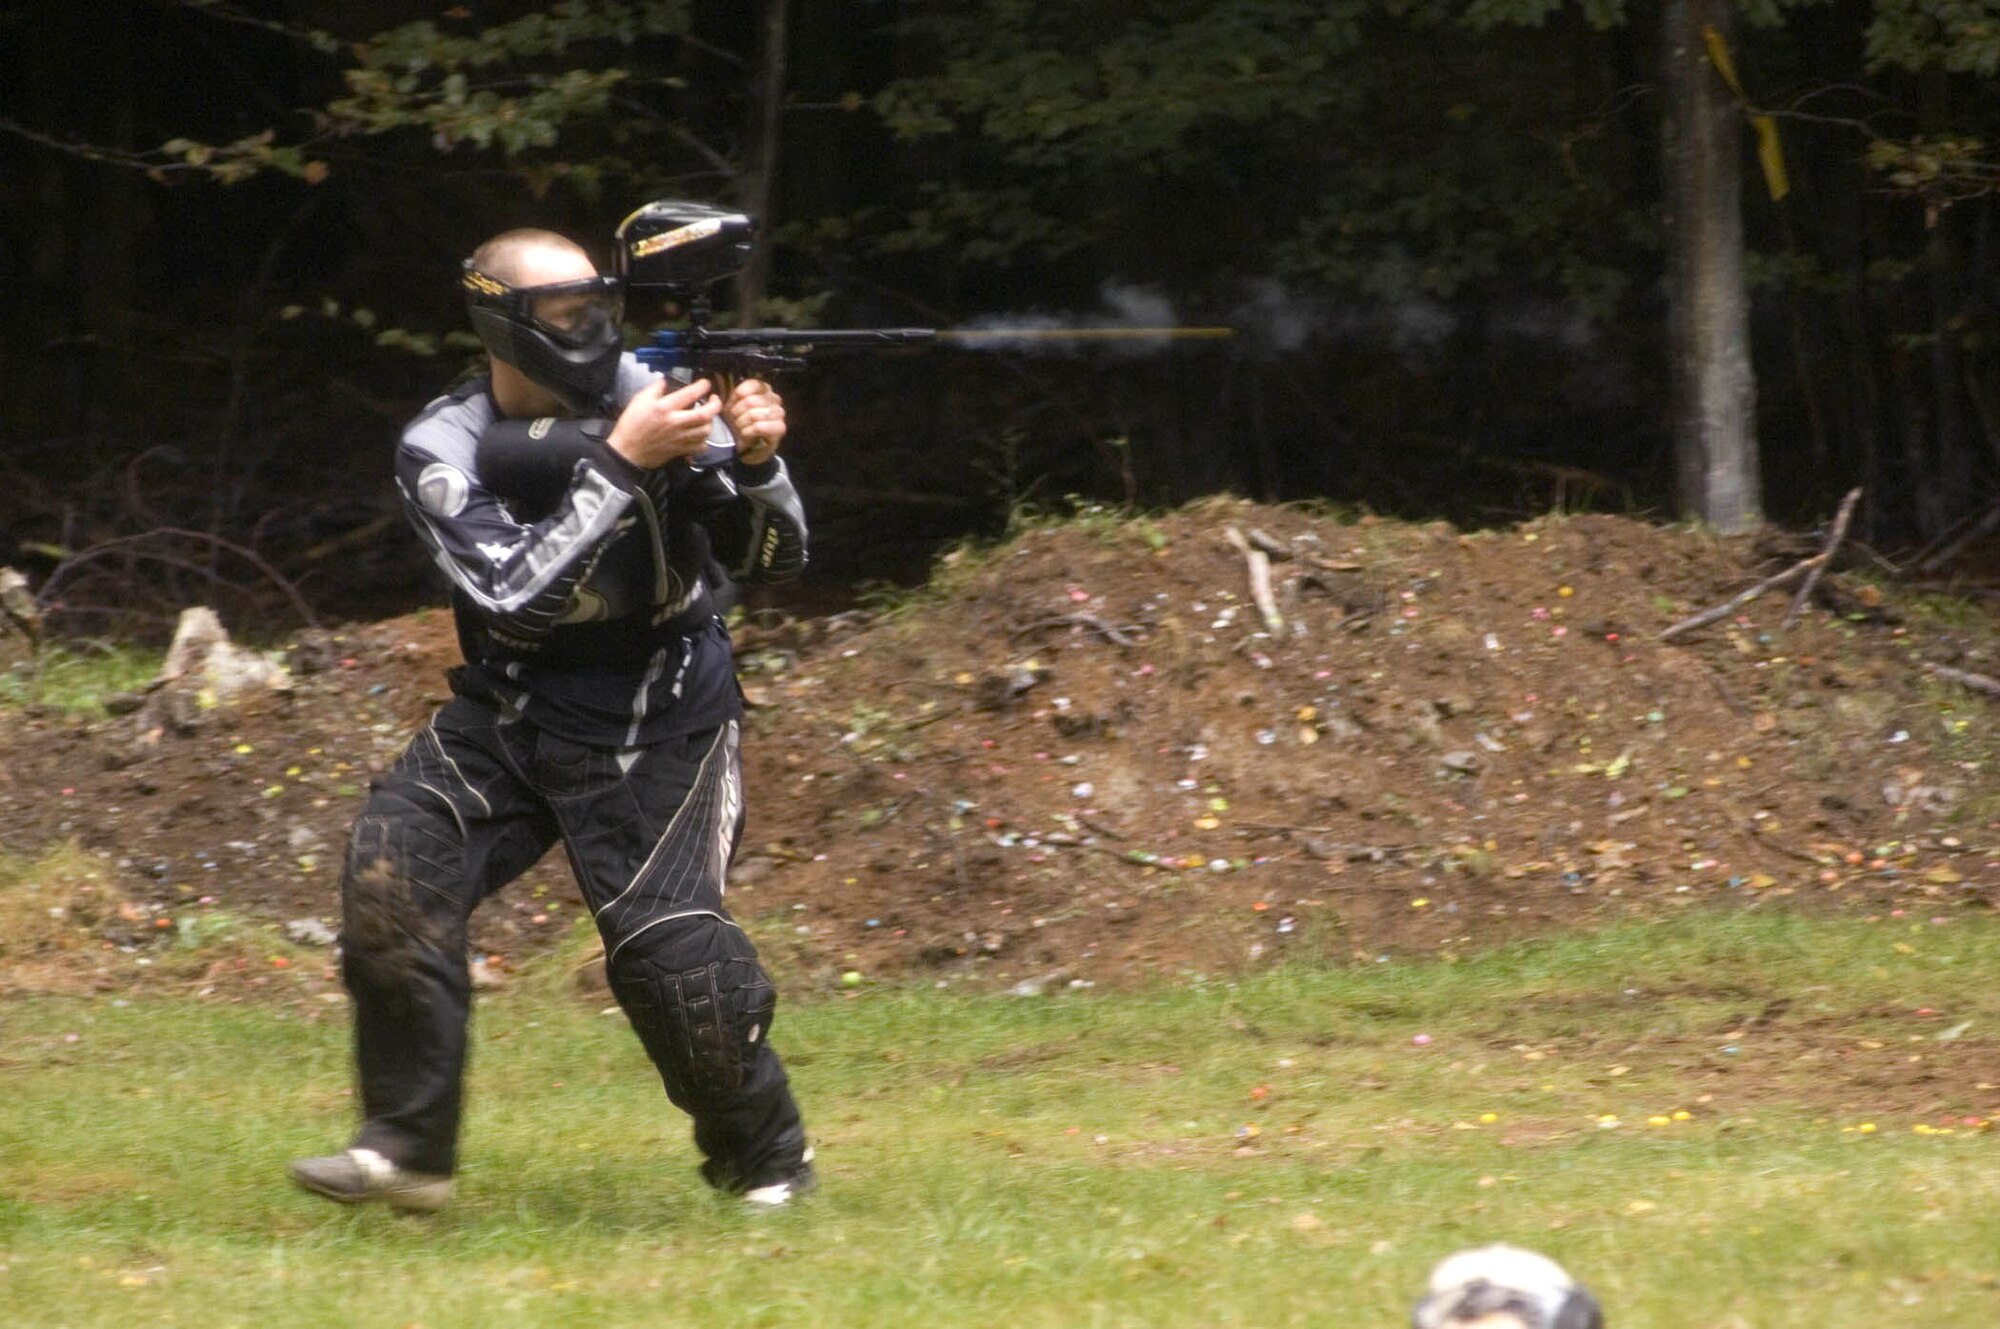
776 1194
362 1174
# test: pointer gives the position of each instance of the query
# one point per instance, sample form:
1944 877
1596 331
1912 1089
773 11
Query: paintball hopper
680 248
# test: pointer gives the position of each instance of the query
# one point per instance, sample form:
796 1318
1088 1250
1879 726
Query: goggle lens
573 315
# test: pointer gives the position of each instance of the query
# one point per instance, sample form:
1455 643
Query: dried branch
127 542
1965 679
1804 567
1736 602
1259 564
1947 548
1116 636
1270 544
1833 539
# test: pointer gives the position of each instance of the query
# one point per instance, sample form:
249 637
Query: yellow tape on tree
1771 156
1770 150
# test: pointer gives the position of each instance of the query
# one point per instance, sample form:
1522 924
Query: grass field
1284 1150
76 678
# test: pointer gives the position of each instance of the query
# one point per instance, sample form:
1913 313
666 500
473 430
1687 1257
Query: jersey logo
586 606
443 489
679 593
540 427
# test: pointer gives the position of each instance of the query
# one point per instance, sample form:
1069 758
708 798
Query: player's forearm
774 545
520 578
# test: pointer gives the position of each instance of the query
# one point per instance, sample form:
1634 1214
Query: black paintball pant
471 804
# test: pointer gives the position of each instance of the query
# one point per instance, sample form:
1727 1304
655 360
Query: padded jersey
590 612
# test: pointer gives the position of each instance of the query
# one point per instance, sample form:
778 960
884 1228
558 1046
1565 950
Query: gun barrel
1083 334
774 349
732 338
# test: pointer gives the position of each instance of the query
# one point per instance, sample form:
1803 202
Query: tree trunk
1714 390
764 121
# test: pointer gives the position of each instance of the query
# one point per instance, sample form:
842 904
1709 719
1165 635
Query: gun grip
715 454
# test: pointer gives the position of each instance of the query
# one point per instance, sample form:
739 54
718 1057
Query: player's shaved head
526 255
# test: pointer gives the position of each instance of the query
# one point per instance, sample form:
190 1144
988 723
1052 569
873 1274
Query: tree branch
1965 679
1833 539
104 547
1802 568
1259 565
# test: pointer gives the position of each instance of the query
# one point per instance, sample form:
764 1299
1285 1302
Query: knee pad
397 896
700 1003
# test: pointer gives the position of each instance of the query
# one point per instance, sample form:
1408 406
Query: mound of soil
1085 756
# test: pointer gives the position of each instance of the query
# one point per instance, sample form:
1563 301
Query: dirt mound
1084 756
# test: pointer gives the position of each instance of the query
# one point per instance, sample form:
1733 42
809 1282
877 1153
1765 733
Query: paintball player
597 705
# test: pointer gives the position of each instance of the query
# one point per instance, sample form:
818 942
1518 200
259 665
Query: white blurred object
1504 1287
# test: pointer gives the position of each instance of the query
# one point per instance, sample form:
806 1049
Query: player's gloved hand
756 415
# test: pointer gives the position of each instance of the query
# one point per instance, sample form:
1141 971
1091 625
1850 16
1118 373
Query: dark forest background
228 236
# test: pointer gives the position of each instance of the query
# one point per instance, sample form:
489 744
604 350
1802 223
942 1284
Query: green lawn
1279 1151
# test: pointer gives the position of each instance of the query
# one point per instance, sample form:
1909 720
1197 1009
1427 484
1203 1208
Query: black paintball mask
564 336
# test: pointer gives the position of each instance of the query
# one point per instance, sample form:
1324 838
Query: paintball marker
681 249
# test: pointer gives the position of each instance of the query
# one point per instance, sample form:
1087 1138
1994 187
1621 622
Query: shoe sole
424 1198
780 1194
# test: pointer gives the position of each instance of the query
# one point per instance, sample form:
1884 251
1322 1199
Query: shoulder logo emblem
443 489
540 427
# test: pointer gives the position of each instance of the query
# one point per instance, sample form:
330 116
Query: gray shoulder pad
449 429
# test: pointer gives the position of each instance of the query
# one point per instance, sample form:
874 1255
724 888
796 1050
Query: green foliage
1054 92
76 677
514 87
410 341
1603 15
1485 155
1363 149
1940 169
527 113
1482 14
1061 86
1957 36
232 163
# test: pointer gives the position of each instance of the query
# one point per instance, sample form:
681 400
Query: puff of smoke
1276 320
1137 321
